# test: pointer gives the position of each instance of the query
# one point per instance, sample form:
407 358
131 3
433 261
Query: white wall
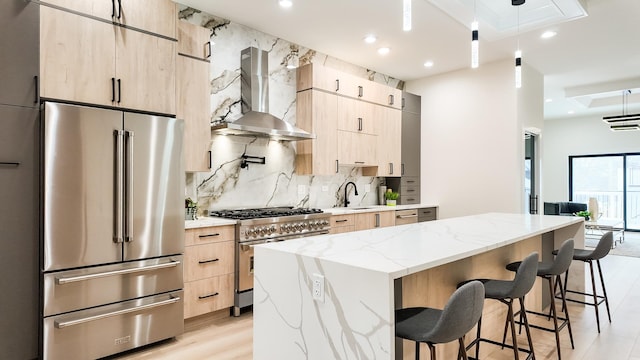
578 136
472 138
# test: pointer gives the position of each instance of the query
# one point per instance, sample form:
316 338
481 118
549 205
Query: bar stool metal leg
604 290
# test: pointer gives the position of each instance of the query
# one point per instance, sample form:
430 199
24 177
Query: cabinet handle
401 169
360 91
209 235
208 296
359 162
337 166
411 199
113 8
113 89
341 221
377 220
210 159
119 9
411 190
337 84
410 181
427 212
207 47
5 163
37 83
119 90
391 168
359 124
391 100
208 261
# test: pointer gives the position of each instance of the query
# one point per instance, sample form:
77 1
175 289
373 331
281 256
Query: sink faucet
346 196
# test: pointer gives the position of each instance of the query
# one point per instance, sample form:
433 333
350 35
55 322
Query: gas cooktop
246 214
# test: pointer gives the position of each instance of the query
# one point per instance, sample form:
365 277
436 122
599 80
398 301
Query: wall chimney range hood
255 119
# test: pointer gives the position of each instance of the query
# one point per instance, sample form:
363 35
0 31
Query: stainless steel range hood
255 119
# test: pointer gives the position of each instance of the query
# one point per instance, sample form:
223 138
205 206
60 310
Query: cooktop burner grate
245 214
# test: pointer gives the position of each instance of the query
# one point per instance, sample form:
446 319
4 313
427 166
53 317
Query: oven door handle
71 279
64 324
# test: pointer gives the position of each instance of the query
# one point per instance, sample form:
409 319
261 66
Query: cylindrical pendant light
518 69
474 45
406 15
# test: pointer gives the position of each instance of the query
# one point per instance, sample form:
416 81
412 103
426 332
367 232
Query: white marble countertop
374 208
406 249
208 221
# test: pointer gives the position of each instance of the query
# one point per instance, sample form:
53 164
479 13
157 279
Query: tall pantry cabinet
19 164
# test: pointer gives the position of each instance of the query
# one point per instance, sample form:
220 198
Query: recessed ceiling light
548 34
370 39
383 50
428 64
570 112
548 100
285 3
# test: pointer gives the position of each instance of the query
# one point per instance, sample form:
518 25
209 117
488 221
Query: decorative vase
391 202
190 213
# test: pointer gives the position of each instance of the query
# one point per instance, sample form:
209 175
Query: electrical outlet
318 287
325 188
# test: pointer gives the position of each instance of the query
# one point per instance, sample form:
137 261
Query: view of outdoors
603 178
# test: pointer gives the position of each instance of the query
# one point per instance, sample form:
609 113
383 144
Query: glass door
531 196
633 192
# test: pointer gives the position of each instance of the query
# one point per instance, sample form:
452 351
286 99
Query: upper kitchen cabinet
411 134
155 16
357 116
118 67
19 57
317 77
389 141
317 112
193 93
194 40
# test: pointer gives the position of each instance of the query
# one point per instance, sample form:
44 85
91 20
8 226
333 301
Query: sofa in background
566 208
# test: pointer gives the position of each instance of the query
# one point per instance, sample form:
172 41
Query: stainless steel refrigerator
113 230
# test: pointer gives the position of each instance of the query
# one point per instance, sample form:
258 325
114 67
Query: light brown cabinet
372 220
357 149
342 223
208 269
317 112
193 94
95 62
389 142
155 16
317 77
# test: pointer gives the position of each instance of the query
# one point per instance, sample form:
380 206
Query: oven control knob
312 224
272 229
296 227
325 222
262 230
284 227
303 226
251 232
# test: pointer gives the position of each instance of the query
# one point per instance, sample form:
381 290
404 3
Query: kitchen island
365 275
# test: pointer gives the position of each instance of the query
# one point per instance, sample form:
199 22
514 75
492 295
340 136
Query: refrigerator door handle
117 182
128 192
64 324
72 279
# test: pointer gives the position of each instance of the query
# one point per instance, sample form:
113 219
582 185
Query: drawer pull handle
341 221
66 280
427 212
208 235
208 261
208 296
407 216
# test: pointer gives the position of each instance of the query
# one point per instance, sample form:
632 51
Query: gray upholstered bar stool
552 271
589 256
433 326
506 291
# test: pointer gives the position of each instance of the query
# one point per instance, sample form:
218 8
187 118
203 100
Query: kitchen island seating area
506 291
552 272
433 326
589 256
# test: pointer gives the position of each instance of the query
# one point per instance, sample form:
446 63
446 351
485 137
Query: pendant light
406 15
474 40
624 121
518 55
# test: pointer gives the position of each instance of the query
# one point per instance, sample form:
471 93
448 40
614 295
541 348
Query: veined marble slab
207 221
356 319
374 208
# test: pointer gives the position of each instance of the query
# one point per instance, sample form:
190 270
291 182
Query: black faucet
346 197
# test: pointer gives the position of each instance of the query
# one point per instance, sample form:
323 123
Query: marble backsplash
274 183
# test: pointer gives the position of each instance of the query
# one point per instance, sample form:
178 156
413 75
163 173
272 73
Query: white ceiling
586 66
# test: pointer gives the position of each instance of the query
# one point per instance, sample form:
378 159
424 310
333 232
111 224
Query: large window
614 180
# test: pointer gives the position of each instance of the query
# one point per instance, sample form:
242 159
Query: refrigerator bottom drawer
107 330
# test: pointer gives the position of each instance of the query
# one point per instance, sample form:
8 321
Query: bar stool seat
552 271
589 256
506 291
434 326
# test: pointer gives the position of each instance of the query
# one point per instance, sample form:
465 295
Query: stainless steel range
259 226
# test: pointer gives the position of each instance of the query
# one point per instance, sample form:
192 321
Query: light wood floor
231 338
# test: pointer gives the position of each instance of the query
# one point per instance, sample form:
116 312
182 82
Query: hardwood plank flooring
231 338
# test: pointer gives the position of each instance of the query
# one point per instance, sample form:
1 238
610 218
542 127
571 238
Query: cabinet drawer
408 200
374 220
410 191
410 181
406 216
207 295
427 214
342 229
342 220
209 235
203 261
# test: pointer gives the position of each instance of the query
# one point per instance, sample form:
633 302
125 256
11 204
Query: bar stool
588 256
506 291
433 326
552 272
